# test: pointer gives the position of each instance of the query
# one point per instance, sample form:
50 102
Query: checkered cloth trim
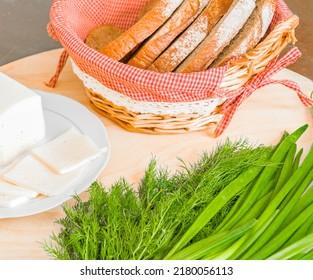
62 61
281 14
235 98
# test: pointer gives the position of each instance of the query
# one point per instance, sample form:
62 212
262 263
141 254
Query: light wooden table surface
261 119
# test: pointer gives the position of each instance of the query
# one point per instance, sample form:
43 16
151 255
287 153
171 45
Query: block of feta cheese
68 151
22 121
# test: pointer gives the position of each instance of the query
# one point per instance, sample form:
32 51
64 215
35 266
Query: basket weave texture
71 22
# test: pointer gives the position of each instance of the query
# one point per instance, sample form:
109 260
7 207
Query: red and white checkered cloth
71 21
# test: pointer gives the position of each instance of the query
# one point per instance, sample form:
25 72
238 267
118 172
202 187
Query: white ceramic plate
60 114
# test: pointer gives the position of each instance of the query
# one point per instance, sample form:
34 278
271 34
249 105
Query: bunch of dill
120 223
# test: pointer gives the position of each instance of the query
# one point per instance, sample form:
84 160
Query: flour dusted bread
220 36
191 37
157 43
142 29
252 32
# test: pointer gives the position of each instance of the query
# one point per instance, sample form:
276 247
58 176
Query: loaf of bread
142 29
102 35
191 37
220 36
252 32
157 43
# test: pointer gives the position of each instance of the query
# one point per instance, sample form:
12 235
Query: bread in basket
141 100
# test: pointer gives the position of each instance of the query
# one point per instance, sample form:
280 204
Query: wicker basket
150 113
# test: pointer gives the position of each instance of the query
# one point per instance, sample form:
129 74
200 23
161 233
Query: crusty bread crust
191 37
158 42
219 37
250 35
141 30
102 35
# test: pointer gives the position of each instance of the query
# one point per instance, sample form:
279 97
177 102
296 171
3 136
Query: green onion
229 253
212 244
302 231
300 246
274 244
297 160
286 170
299 175
267 173
284 212
306 256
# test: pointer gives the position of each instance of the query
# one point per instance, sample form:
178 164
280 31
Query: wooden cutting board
261 119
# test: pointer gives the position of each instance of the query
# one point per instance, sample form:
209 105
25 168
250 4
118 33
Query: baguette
250 35
191 37
141 30
220 36
157 43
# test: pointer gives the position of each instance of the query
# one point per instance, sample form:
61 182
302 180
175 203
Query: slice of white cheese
7 188
32 174
68 151
22 122
8 200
